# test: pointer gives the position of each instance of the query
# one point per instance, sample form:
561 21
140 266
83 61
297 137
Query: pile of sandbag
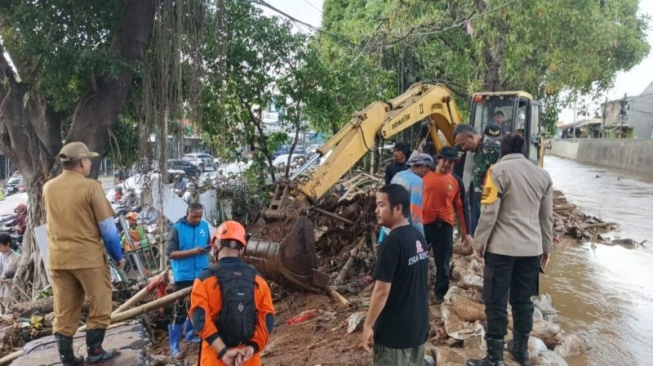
463 315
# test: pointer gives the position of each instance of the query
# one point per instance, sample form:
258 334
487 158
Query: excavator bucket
292 260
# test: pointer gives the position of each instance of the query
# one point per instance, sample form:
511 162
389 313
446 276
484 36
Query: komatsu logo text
403 119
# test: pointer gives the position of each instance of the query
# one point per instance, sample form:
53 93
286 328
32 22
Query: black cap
448 152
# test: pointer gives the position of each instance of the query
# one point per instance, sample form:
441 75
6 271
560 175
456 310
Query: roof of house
648 90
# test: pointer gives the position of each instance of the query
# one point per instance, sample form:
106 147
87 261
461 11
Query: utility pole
574 126
605 109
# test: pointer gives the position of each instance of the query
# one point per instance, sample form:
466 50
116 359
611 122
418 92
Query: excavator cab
514 112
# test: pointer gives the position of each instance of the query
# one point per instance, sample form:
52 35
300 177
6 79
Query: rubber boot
518 348
96 354
494 354
189 333
174 336
66 353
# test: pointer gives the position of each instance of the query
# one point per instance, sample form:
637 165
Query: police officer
79 219
486 153
187 247
514 237
231 335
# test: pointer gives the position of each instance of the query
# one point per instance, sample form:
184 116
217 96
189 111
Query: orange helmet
230 230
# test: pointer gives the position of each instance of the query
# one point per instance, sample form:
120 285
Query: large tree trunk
493 54
31 135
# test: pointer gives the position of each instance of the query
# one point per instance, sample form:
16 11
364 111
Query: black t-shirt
403 261
393 169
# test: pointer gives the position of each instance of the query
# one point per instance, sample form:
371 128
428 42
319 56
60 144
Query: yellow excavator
282 245
521 113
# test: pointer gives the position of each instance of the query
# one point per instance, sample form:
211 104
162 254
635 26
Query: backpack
237 318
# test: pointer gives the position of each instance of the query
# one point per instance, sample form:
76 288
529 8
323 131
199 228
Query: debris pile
348 252
312 329
570 222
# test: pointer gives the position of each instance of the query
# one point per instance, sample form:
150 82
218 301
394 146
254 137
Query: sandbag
548 332
458 248
544 303
572 345
550 358
450 356
536 346
467 309
456 327
537 314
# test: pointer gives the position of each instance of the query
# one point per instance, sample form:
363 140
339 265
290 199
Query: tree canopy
545 47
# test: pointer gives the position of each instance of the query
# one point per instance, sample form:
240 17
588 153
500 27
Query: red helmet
230 230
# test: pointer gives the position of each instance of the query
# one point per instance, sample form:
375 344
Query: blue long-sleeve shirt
111 238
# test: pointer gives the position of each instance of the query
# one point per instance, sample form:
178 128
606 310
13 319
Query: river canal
606 291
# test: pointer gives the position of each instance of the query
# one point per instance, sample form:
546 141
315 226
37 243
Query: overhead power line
339 39
313 6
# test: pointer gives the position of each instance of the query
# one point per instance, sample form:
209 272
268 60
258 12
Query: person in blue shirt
187 247
411 179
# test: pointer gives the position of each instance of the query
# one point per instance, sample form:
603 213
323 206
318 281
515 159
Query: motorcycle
16 239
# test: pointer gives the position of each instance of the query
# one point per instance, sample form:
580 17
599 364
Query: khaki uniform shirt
74 205
517 216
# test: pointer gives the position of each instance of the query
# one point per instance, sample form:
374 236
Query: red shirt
441 195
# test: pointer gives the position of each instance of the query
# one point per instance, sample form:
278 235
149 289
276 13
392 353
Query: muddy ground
322 338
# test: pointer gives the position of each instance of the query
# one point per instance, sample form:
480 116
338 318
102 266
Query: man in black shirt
426 139
397 322
401 153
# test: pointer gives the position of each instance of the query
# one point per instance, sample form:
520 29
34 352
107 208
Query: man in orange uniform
231 304
444 193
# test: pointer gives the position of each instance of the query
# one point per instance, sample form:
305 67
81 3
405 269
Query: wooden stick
118 317
600 225
350 262
6 360
152 305
132 301
332 215
336 296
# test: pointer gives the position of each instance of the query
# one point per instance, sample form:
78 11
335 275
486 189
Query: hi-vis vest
490 191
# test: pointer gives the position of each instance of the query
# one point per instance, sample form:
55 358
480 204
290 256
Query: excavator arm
384 120
293 259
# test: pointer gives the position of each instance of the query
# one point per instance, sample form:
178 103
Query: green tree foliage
546 47
68 76
248 53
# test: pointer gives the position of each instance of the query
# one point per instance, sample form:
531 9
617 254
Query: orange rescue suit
206 295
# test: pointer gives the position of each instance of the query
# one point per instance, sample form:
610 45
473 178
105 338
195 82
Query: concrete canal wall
631 154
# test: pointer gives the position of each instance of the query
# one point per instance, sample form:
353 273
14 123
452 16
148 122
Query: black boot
96 354
518 348
66 353
494 354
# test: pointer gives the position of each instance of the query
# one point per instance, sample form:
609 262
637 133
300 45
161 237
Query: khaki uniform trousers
69 287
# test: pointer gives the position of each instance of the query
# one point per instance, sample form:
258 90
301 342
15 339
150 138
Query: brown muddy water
605 291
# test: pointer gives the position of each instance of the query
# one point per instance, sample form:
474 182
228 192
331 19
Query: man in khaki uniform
79 219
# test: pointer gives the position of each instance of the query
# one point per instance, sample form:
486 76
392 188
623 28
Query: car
178 166
282 160
200 160
237 168
285 149
15 184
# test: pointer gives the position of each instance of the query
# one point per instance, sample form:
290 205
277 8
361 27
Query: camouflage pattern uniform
486 156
